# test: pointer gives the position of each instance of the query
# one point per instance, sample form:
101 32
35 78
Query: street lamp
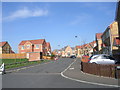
76 52
76 36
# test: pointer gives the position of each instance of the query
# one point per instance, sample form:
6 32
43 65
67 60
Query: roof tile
38 41
2 43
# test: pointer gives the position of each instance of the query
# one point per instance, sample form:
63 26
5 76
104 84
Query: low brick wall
100 69
34 56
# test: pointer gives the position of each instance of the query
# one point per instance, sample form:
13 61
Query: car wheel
94 63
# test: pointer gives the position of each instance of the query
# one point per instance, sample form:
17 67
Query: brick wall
34 56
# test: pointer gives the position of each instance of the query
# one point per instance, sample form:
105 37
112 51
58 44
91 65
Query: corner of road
73 72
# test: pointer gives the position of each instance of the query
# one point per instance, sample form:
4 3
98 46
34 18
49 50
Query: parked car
102 59
92 57
73 56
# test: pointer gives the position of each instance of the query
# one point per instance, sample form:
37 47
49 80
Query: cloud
26 13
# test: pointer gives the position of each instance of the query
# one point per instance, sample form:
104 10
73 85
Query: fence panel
99 69
13 56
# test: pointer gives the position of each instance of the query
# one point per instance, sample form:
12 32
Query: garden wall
100 69
13 56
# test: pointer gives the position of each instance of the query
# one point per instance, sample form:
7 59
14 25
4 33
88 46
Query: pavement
74 72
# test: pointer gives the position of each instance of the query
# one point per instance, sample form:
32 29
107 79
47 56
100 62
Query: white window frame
27 46
37 46
22 47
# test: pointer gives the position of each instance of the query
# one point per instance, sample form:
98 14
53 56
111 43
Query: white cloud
26 13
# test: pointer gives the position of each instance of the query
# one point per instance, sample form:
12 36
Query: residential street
46 76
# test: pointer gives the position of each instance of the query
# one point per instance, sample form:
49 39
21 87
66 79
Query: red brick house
28 46
86 49
48 47
98 48
5 48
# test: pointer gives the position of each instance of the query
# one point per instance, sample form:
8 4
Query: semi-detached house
48 47
33 46
35 49
5 48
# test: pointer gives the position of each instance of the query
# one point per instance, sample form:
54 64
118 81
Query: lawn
15 63
9 61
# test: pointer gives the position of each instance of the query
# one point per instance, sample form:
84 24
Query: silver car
102 59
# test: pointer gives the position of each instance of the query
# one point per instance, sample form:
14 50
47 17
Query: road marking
82 80
71 68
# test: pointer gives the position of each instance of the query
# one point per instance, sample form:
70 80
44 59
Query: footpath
74 72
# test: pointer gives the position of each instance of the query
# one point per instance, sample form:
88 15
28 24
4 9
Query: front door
41 54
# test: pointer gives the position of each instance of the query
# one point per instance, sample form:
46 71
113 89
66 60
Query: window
22 47
109 57
8 49
28 46
37 46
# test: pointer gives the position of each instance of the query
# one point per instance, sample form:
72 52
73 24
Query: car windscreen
107 57
90 57
94 56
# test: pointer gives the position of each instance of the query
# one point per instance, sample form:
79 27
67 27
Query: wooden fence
13 56
100 69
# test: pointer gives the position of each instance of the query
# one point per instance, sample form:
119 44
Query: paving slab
74 72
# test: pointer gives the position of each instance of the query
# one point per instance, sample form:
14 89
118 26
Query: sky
57 22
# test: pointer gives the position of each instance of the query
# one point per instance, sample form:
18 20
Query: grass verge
12 66
9 61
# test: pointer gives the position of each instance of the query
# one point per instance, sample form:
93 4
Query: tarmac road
46 75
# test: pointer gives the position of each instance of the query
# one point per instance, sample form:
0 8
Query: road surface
46 75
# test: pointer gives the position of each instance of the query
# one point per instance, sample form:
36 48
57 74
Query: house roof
98 35
72 48
2 43
12 51
38 41
78 47
83 45
48 44
92 43
63 49
87 45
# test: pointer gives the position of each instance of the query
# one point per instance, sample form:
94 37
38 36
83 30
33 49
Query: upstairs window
28 46
22 47
37 46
